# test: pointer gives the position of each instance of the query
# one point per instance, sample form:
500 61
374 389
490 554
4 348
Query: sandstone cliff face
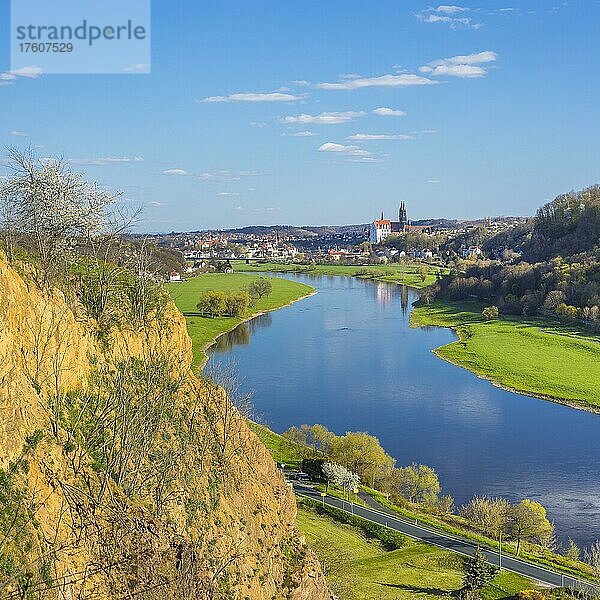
124 476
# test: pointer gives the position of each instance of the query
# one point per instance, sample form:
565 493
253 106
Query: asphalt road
448 542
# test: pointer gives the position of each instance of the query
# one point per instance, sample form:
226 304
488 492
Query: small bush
531 595
490 312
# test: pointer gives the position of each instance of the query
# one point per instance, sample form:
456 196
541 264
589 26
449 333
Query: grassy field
394 273
203 330
534 356
358 568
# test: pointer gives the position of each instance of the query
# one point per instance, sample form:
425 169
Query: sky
328 112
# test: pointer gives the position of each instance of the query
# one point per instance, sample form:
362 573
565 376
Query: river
347 358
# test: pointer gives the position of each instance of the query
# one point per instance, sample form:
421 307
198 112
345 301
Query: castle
381 228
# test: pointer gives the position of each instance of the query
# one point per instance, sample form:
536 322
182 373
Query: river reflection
347 358
240 336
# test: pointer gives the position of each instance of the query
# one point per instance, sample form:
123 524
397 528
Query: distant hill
303 231
309 231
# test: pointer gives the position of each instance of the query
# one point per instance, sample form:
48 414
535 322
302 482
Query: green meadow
535 356
402 273
204 330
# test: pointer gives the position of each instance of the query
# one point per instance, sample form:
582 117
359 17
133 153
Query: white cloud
448 14
450 10
227 175
138 68
434 181
228 194
401 80
468 65
108 160
476 58
29 72
350 153
341 148
365 137
465 71
175 172
19 133
153 203
300 134
9 77
326 118
383 111
452 21
254 97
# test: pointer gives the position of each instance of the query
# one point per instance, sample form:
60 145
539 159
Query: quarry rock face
123 474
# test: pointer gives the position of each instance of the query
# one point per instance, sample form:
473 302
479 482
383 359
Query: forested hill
550 265
567 226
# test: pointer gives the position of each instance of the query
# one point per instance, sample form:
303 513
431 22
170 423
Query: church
382 228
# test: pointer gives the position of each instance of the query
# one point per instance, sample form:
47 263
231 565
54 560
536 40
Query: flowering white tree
337 475
51 208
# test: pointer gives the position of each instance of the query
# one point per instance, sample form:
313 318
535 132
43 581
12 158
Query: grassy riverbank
401 273
535 356
204 330
358 567
290 453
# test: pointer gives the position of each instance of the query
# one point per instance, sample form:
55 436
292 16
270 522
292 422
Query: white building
379 230
471 252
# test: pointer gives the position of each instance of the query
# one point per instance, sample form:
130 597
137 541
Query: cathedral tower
402 219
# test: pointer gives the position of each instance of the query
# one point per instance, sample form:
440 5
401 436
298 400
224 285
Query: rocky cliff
122 475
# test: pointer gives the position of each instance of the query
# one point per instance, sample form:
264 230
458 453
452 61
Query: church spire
402 218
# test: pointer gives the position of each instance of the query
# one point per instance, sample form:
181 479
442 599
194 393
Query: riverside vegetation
121 473
414 492
417 275
546 289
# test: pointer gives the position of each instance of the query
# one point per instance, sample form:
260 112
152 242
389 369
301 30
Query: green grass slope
535 356
203 330
361 568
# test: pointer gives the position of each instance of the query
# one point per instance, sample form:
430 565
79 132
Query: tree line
357 458
235 303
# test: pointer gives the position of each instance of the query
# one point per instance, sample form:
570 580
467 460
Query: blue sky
265 112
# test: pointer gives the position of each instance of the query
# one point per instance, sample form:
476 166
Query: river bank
352 363
531 356
205 331
415 275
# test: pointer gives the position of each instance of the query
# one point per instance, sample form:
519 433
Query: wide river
347 358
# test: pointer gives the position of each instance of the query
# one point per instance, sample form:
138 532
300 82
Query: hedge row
391 540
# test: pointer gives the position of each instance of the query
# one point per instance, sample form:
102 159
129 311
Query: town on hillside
438 241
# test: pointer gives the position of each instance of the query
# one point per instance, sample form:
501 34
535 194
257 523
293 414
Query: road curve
448 542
